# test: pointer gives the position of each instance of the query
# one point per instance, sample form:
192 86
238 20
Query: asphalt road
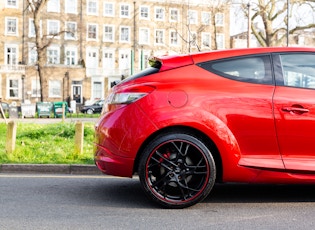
43 201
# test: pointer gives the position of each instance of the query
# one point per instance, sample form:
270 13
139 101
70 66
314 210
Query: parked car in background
5 107
189 121
96 107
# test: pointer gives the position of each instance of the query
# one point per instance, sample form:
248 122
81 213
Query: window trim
120 10
113 33
104 12
16 26
12 6
57 10
58 29
141 41
140 15
120 34
155 13
74 37
50 94
96 32
170 15
87 8
75 7
18 88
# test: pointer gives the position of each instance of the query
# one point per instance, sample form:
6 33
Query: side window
254 69
298 70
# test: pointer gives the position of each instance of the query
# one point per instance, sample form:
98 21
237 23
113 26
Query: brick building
100 41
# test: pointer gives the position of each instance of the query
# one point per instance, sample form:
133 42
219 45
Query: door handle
296 110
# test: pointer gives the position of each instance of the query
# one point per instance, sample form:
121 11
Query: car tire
176 170
89 111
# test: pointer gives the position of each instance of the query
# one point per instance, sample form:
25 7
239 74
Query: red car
190 121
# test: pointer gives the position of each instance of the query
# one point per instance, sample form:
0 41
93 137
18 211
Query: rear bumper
118 138
112 164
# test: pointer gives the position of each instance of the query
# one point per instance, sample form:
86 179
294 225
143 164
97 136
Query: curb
50 169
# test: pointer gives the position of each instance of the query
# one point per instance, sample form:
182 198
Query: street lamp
249 26
288 7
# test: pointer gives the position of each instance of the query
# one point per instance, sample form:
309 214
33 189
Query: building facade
94 42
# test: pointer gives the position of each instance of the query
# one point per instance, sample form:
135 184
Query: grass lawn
47 144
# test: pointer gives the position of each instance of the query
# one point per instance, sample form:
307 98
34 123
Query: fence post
79 133
11 137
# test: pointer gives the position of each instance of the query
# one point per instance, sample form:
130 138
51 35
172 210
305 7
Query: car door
246 102
294 109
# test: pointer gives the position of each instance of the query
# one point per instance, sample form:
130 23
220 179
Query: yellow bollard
11 137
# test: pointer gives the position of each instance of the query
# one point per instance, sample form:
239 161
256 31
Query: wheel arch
191 131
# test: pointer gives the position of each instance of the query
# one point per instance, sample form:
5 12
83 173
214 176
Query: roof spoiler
170 62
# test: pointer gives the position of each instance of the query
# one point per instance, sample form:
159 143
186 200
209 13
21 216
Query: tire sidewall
166 138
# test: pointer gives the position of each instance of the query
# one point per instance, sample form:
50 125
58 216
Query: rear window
253 69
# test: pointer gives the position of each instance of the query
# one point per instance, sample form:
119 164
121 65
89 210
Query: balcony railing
90 72
12 69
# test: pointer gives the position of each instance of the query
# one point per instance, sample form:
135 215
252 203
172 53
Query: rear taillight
129 95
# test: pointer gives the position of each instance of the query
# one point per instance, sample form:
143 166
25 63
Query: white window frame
89 10
53 28
53 6
8 4
141 13
108 36
17 88
157 39
220 38
108 64
69 35
32 54
72 57
124 12
192 17
11 58
35 87
111 12
172 16
122 35
219 19
54 88
31 28
124 61
159 13
206 37
193 39
205 18
101 89
88 32
144 36
55 59
7 26
71 6
172 38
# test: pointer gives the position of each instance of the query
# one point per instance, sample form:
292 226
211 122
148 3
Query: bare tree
270 19
189 32
42 42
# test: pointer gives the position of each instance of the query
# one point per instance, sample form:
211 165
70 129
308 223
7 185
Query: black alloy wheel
177 170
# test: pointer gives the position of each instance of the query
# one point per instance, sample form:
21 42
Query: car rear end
124 124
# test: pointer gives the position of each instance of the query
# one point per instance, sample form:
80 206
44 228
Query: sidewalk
50 169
